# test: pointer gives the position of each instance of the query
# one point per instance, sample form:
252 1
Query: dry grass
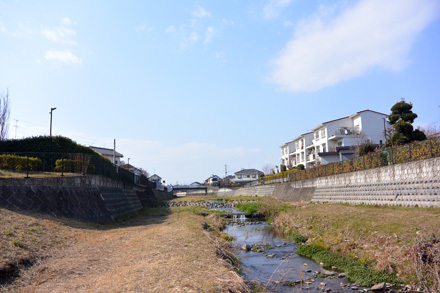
380 236
156 254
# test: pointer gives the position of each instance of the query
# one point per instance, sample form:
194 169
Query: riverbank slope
169 252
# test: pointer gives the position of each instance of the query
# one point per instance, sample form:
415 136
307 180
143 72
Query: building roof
155 177
248 171
351 116
435 135
302 135
105 152
367 110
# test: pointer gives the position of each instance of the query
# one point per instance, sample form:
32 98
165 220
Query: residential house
246 175
109 154
337 140
137 172
214 180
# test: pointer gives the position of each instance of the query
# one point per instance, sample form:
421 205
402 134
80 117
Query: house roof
155 177
106 152
367 110
435 135
248 171
129 167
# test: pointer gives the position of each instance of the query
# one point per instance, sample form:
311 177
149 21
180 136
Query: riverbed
270 262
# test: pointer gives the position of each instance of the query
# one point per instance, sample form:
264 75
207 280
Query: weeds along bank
371 244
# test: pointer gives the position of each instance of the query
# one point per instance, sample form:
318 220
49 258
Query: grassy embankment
161 250
372 244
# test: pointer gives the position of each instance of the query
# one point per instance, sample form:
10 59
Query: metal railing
388 156
63 163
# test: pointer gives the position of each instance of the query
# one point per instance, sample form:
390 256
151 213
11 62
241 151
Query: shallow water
279 268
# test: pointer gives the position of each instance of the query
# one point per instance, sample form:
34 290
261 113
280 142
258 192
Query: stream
270 262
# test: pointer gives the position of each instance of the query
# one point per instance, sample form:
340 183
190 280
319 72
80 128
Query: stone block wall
409 184
78 198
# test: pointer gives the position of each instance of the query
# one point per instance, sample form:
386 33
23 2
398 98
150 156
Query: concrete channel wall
409 184
86 198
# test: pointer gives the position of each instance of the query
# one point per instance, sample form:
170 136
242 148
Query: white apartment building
287 151
337 140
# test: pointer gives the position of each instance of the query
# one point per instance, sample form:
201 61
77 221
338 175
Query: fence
388 156
67 163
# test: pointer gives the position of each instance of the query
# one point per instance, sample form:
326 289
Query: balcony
311 158
342 132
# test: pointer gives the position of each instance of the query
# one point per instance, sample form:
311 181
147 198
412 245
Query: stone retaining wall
77 198
409 184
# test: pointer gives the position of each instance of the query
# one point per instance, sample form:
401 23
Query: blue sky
186 87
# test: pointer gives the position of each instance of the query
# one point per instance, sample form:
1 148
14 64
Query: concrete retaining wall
78 198
409 184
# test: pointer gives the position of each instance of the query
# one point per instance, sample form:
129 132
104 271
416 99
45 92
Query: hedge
21 163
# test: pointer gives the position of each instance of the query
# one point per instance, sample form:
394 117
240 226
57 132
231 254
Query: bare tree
267 169
430 129
4 115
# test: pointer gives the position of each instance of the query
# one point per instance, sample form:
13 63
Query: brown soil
155 254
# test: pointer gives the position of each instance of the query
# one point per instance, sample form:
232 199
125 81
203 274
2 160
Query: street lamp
51 110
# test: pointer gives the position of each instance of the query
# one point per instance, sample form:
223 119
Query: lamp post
51 110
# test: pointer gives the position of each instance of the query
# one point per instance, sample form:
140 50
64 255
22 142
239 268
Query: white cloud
200 12
221 56
371 34
274 7
62 56
66 21
2 27
194 37
208 35
61 34
170 29
143 27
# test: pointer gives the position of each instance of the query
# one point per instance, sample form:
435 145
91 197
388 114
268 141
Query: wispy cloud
274 7
61 34
200 12
371 34
2 27
208 35
143 27
170 29
66 21
65 57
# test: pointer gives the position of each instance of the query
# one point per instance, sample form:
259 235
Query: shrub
300 167
20 163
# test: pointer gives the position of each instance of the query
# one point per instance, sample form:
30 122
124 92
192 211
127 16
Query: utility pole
16 121
226 170
51 110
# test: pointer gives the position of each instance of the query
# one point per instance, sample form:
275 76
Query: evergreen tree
401 118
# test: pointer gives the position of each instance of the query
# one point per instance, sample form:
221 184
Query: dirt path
148 254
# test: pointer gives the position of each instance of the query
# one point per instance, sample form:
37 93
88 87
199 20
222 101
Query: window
254 176
239 176
248 176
